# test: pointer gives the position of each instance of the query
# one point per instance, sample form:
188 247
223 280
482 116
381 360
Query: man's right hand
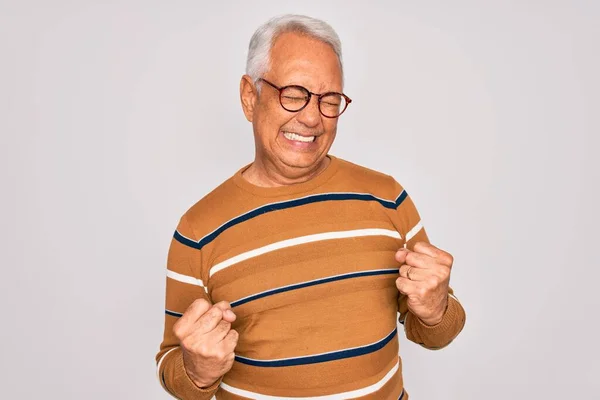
207 341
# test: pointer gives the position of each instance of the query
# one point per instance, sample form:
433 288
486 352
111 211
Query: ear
248 96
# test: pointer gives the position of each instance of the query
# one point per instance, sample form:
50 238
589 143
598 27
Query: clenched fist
424 279
207 341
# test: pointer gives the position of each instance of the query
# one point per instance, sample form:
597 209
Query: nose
310 115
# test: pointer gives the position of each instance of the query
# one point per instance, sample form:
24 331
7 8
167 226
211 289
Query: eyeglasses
294 98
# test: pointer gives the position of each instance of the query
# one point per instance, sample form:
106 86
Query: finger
432 251
209 320
419 260
228 314
218 333
231 340
190 316
401 255
412 273
406 286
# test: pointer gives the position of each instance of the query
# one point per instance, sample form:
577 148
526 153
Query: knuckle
216 312
200 301
222 305
178 331
209 317
222 354
445 275
187 344
204 350
433 281
222 328
420 245
224 325
200 304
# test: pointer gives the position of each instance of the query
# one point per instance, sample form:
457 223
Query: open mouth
299 138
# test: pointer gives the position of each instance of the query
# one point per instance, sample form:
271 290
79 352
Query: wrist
436 318
200 381
431 321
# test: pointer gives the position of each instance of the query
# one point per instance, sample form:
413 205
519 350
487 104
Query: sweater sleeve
409 224
183 286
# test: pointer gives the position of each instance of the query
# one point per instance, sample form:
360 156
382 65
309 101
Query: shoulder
372 181
208 212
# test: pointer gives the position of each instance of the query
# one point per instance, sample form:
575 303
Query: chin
303 161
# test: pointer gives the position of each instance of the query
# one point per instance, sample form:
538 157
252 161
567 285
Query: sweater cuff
182 385
441 334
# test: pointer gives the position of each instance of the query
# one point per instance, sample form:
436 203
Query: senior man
288 279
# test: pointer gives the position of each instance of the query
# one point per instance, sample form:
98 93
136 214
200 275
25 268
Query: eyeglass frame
280 89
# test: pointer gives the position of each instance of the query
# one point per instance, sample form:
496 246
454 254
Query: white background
115 117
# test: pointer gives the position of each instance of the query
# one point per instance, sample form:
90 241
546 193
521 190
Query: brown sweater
309 270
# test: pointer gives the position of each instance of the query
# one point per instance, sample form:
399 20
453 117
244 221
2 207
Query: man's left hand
424 279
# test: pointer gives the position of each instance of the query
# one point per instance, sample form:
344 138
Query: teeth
298 138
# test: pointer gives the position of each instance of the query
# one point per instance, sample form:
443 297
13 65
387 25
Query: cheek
272 120
330 126
269 122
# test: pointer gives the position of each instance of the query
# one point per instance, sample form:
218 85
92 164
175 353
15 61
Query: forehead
303 60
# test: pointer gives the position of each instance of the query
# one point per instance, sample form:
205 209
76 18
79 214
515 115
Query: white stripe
414 231
160 380
160 362
302 240
338 396
185 237
314 280
440 348
185 278
320 354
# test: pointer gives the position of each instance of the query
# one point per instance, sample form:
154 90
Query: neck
260 175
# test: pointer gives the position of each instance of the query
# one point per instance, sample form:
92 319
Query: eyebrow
319 92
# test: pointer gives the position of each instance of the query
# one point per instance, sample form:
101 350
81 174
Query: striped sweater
309 270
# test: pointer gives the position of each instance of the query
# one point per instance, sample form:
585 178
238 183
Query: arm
433 333
436 336
183 288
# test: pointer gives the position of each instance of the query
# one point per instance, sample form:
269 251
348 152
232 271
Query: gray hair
259 51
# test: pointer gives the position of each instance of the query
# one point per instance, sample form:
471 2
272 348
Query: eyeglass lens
293 98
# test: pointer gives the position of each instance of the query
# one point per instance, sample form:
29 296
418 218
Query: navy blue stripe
311 283
284 205
401 395
185 241
401 198
173 313
337 355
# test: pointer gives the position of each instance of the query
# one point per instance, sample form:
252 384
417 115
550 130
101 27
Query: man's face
304 61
